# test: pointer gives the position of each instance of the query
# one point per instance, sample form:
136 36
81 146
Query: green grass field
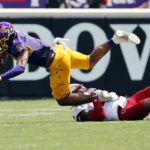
43 125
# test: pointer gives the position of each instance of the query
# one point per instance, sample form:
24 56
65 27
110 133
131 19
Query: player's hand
105 96
122 36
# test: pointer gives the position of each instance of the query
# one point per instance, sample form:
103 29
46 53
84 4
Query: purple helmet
7 33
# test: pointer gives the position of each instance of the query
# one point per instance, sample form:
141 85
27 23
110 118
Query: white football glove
105 96
122 36
77 88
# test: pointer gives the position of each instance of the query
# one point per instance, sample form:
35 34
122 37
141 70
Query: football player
108 106
58 59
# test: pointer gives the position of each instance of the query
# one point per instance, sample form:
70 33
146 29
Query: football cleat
122 36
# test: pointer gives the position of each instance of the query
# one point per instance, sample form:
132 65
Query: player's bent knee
147 104
148 88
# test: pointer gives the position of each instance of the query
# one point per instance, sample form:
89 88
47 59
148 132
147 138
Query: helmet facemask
3 45
7 34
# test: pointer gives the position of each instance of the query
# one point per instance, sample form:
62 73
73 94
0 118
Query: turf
43 125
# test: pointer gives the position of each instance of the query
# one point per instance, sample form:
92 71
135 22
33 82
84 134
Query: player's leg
142 109
140 95
98 53
134 110
147 104
80 61
119 37
137 107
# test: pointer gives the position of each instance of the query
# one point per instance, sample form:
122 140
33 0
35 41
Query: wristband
13 72
111 43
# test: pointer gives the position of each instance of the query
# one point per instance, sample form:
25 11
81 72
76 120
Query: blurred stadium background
36 121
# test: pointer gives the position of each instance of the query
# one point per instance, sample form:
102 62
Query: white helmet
78 109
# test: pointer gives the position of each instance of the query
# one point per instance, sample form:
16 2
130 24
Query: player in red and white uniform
107 106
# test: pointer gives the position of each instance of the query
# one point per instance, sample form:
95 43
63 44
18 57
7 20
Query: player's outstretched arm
19 68
23 58
119 37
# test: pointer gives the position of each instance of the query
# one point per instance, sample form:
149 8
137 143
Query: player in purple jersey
58 60
127 4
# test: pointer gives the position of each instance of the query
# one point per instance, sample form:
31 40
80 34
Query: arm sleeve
17 70
98 113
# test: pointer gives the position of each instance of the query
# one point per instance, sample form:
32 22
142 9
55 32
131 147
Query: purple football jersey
39 49
125 3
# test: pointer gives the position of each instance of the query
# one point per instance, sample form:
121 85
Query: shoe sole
131 37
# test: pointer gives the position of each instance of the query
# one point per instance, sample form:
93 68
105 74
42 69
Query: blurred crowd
98 3
75 4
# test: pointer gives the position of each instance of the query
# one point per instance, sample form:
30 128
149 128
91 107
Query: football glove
122 36
105 96
77 88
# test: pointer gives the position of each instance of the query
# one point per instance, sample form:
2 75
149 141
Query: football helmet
7 34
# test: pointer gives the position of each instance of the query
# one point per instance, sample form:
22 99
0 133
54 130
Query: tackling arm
22 60
79 94
76 96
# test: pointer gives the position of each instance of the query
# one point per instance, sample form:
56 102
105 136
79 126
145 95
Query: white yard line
34 109
32 112
27 114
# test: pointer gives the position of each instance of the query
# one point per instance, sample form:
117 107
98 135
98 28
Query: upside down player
57 59
107 106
